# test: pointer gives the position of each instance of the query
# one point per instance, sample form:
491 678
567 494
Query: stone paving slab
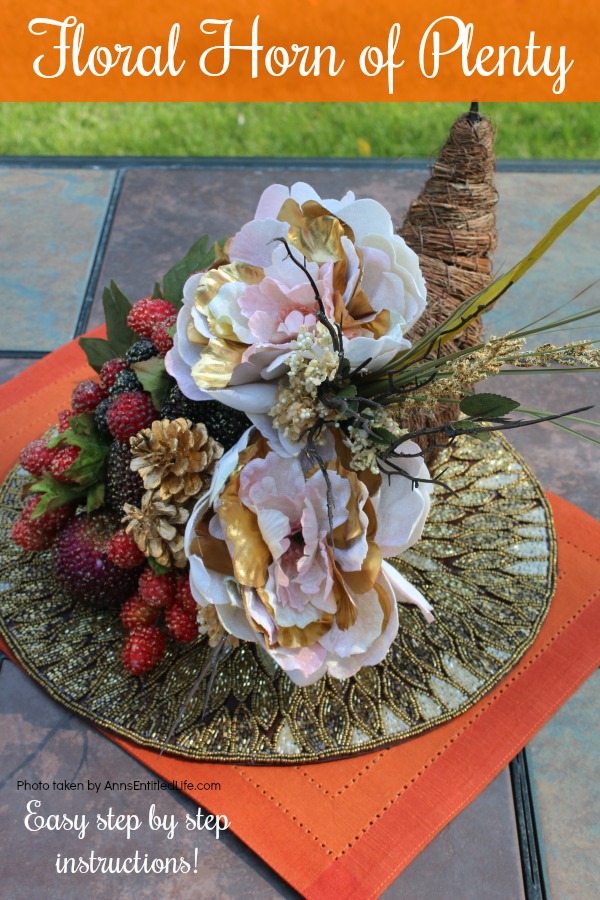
565 764
49 225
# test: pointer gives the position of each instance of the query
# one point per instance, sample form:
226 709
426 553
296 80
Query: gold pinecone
157 529
174 458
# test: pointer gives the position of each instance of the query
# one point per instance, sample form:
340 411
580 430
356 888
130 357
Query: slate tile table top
66 228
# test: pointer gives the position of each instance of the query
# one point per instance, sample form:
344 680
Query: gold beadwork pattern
487 562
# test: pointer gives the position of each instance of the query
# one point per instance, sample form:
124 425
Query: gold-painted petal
217 364
213 280
251 556
318 240
293 636
194 336
364 580
291 212
312 209
214 552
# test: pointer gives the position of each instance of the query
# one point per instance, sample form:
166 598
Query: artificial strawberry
124 552
181 623
62 462
147 313
36 457
86 396
135 612
129 413
144 649
157 590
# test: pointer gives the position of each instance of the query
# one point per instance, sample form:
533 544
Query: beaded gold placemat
487 562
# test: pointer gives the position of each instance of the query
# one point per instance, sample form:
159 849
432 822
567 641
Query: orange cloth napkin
347 828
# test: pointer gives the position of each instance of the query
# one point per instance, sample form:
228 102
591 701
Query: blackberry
140 351
100 415
224 424
122 485
125 381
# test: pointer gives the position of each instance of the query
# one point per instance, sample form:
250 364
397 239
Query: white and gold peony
235 329
316 594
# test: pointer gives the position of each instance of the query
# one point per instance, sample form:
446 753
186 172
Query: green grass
526 130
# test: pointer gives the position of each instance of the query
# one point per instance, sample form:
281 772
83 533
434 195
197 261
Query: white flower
238 322
314 593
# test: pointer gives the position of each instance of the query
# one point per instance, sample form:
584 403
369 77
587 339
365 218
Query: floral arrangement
244 468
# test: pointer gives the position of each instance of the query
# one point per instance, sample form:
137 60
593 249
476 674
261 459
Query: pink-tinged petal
267 480
248 398
234 620
302 193
404 591
253 244
274 528
281 445
304 666
189 288
271 201
359 637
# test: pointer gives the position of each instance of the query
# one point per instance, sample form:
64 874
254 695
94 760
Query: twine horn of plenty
452 227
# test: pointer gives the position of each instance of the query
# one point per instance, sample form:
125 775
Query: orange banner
266 50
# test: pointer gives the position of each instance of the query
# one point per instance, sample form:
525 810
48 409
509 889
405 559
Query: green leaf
88 466
348 391
157 292
385 437
200 256
95 497
154 378
156 566
116 310
93 449
54 494
97 350
487 406
470 428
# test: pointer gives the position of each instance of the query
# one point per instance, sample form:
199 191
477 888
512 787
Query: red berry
86 396
124 552
63 420
63 460
181 623
129 413
161 338
36 457
144 649
110 370
147 313
157 590
49 522
183 594
30 538
135 612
